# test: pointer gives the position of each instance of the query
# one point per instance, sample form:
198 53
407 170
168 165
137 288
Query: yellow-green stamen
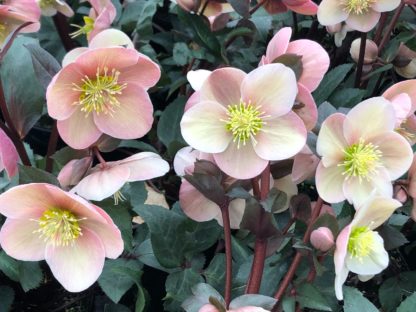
360 242
244 122
358 7
59 227
118 197
99 94
361 160
83 30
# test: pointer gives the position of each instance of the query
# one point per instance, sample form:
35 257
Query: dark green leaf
35 175
310 297
394 289
275 201
392 237
348 97
6 298
408 305
242 7
354 301
293 61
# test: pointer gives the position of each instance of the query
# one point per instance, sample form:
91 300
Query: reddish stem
380 27
392 24
98 155
63 30
228 253
360 60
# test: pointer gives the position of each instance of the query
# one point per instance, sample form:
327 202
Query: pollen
99 94
59 227
361 160
358 7
244 122
361 242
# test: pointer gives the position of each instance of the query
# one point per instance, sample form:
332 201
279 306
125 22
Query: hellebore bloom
314 63
73 236
339 31
361 153
361 15
245 120
304 7
359 248
103 91
370 53
73 171
8 155
108 178
405 62
403 98
51 7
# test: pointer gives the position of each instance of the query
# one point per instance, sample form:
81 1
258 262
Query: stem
298 257
98 155
295 23
53 141
380 27
360 60
392 24
228 253
63 30
257 6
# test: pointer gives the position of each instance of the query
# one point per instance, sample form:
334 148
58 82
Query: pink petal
385 5
309 112
278 45
145 166
73 171
18 240
315 62
407 86
272 88
201 119
281 138
363 22
329 183
304 165
145 73
339 260
8 155
331 142
79 131
331 12
194 99
208 307
402 104
111 37
77 267
240 163
307 8
132 119
223 86
375 211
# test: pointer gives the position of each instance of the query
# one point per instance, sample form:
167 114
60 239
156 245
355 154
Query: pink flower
359 249
73 171
361 153
51 7
73 236
28 8
314 64
107 179
103 91
361 15
403 98
8 155
304 165
322 239
245 120
305 7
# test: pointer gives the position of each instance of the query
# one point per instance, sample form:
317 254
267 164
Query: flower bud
400 194
370 54
405 62
322 239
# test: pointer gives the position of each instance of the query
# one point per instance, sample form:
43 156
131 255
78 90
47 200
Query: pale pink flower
361 15
51 7
359 248
314 64
105 180
361 152
370 53
8 155
322 239
305 7
403 98
73 236
103 91
211 308
304 165
245 120
73 171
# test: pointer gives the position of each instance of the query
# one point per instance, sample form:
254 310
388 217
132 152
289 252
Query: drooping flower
8 155
73 171
370 52
359 248
405 62
304 7
103 91
73 236
361 152
403 98
245 120
361 15
105 180
339 31
314 63
51 7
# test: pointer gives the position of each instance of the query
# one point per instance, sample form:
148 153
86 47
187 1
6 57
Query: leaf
64 155
253 300
9 266
35 175
181 53
330 82
394 289
242 7
30 275
408 305
215 272
392 237
310 297
354 301
275 200
347 97
119 276
112 307
44 64
6 298
201 294
288 304
300 207
293 61
141 300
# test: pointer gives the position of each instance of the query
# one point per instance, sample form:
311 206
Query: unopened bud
400 194
322 239
405 62
370 54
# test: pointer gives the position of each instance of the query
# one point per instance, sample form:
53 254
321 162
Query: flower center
99 94
361 160
358 6
83 30
244 122
59 227
360 242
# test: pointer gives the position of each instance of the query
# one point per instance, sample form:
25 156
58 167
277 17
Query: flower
245 120
304 165
359 249
8 155
108 178
51 7
405 62
360 153
403 98
305 7
361 15
339 31
314 63
370 53
73 236
103 91
73 171
322 239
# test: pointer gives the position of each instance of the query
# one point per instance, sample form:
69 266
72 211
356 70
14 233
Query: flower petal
375 211
308 112
72 55
331 12
329 183
363 22
278 45
197 78
145 73
402 104
237 208
8 155
77 267
307 8
385 5
144 166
